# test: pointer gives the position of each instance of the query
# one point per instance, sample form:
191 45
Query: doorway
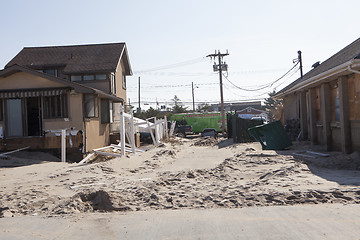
33 116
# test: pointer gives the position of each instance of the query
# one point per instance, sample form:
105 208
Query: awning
24 93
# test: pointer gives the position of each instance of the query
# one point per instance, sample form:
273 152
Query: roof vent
315 65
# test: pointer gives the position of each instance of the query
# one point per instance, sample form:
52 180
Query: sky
168 41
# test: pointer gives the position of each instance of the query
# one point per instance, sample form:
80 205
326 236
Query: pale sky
168 41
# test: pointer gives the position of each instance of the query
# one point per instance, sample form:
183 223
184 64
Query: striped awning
32 93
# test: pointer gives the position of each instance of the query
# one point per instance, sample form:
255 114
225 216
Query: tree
203 107
273 107
178 105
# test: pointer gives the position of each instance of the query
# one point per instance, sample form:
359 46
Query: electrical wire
175 65
264 86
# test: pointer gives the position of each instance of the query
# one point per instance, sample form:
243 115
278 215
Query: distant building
237 106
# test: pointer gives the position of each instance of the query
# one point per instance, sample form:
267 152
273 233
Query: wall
120 90
75 120
97 135
23 80
103 85
335 138
355 134
291 108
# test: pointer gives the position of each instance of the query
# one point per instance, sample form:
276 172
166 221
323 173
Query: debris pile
205 141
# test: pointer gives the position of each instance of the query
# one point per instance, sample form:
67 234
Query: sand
200 173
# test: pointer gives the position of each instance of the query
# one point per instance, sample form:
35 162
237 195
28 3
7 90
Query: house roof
346 55
77 87
75 59
245 110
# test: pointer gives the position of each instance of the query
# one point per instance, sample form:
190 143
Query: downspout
84 131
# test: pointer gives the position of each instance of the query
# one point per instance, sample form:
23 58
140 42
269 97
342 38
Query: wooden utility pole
301 66
219 68
192 88
139 108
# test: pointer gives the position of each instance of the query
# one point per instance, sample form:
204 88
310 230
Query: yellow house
78 88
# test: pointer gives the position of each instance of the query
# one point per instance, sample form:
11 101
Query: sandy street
199 178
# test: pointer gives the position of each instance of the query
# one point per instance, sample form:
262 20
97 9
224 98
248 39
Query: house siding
97 135
24 80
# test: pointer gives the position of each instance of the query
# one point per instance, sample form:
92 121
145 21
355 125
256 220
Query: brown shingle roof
352 51
74 59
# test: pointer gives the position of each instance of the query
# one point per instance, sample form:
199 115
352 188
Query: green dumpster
272 136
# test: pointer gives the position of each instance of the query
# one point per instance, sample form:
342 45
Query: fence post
122 130
63 145
132 134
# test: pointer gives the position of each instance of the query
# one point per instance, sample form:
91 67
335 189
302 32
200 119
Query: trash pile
205 141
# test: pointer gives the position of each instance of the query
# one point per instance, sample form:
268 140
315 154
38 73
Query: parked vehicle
203 123
182 131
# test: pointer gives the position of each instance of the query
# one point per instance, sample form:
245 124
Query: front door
14 118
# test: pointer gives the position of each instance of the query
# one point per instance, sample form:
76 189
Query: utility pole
192 88
301 66
139 108
219 68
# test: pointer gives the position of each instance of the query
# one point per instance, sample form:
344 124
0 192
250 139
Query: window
1 110
75 77
112 83
91 106
88 77
123 81
55 106
105 111
100 77
50 71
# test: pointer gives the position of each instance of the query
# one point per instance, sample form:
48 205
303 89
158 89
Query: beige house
46 89
326 101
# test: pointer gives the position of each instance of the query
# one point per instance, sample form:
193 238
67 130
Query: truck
204 123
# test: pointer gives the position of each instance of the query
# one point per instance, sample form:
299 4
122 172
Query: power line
175 65
265 86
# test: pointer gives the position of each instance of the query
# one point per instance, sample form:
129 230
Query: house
250 112
46 89
236 106
326 101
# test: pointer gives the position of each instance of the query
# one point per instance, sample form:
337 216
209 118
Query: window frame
56 107
95 77
123 81
1 110
94 100
113 83
105 111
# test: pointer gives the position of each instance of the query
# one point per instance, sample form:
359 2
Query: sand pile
175 177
